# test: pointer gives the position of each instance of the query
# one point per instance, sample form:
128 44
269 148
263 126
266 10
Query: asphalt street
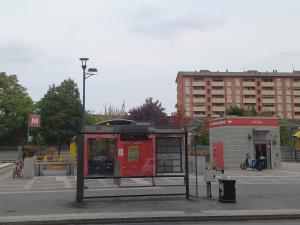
260 222
276 196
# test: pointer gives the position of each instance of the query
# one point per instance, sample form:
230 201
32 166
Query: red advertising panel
34 120
244 122
136 158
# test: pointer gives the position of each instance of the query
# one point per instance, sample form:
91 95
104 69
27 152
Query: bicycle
18 168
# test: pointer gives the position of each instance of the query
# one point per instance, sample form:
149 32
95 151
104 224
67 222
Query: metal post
27 129
83 98
80 169
208 189
196 165
187 182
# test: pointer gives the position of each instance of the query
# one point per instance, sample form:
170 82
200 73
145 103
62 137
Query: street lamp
80 152
90 72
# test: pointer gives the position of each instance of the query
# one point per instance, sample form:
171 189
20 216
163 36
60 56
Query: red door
218 160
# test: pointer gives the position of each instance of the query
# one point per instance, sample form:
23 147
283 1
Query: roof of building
248 73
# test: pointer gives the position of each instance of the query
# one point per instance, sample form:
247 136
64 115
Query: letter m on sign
34 120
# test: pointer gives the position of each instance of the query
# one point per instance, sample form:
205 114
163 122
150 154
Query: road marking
28 184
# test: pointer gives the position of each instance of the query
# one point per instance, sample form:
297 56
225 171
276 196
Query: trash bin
227 190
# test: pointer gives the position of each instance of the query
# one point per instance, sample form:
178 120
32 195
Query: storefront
231 138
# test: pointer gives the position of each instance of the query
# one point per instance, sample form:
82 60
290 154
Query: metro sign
34 120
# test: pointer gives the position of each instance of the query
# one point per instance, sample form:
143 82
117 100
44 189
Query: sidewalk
150 216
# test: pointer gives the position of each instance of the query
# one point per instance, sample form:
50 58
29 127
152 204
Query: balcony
199 92
249 100
268 92
249 92
198 83
296 116
267 84
199 108
217 92
200 100
296 84
249 84
272 109
296 92
297 109
268 100
218 100
218 108
296 100
217 83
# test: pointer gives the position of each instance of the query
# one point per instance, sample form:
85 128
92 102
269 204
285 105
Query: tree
235 110
285 133
15 106
204 132
61 112
248 111
110 113
179 118
151 111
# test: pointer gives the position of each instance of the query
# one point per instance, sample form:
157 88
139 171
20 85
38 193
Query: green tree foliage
285 133
248 112
61 112
234 110
151 111
110 113
15 106
204 132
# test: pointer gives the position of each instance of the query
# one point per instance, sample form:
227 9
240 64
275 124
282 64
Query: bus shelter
126 152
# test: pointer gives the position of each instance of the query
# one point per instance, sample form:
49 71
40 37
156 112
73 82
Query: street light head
92 70
84 59
83 62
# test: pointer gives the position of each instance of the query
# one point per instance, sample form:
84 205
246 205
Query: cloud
156 24
17 52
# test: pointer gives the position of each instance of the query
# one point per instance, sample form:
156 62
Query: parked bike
18 169
258 164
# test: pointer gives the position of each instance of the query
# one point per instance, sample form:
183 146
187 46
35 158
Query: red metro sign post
34 120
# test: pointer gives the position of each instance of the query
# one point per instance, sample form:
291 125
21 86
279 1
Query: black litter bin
227 190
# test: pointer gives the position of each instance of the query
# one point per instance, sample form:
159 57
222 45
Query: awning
297 134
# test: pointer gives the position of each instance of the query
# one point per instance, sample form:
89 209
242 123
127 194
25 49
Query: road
261 222
249 197
51 195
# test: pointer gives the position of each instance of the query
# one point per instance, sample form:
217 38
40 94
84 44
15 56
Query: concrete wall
236 144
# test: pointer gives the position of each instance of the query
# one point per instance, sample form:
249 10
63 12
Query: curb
5 165
154 216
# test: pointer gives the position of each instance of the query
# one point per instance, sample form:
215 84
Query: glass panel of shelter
101 157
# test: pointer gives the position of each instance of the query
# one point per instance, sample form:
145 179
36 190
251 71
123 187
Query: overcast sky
139 46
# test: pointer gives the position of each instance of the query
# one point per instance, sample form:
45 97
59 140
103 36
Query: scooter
258 164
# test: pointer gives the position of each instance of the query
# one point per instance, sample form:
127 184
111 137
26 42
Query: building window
187 83
269 79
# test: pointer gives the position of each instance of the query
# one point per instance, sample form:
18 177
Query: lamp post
91 72
80 151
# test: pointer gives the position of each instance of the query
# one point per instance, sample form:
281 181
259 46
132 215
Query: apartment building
208 94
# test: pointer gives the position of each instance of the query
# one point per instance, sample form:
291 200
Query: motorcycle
259 164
